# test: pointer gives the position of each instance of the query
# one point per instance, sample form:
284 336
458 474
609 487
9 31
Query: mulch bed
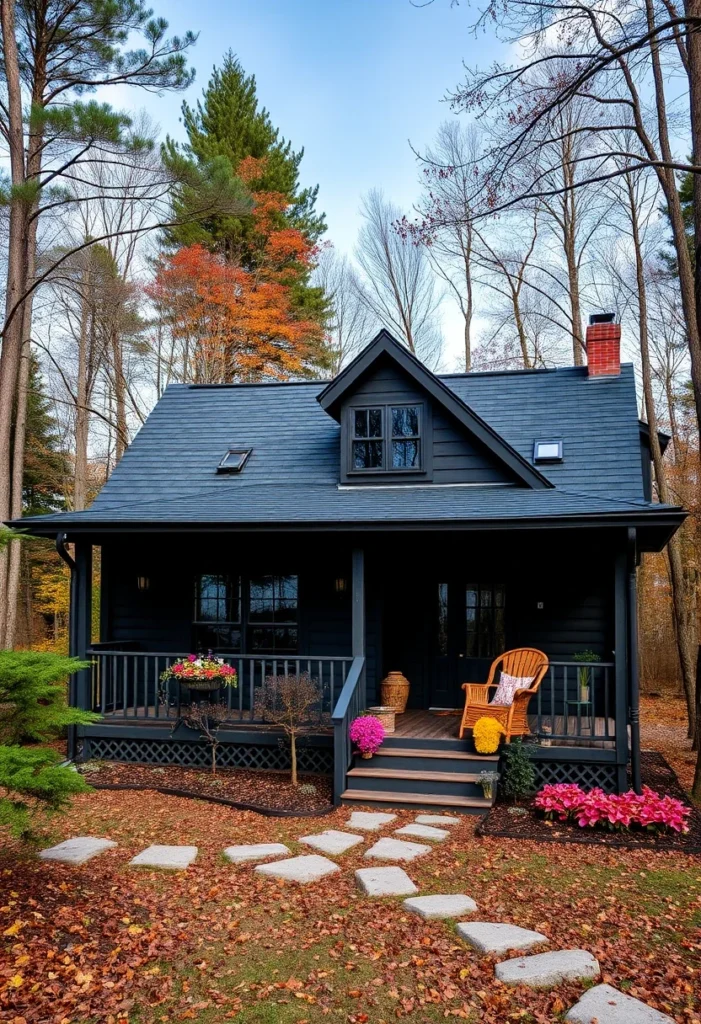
656 773
268 792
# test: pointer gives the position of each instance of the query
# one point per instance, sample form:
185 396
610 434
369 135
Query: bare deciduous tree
398 286
293 703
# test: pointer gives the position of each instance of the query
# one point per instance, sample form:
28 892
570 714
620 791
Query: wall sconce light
143 582
340 585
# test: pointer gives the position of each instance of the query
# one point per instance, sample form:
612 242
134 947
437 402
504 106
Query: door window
484 620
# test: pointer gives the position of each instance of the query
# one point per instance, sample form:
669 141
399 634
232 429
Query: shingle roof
168 474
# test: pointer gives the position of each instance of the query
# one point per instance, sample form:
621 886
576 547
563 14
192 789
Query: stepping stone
172 858
396 849
436 819
369 821
392 881
605 1003
546 969
486 937
332 841
257 851
78 850
438 907
423 832
299 869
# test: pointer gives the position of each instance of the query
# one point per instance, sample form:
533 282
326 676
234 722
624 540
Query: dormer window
385 439
547 451
234 460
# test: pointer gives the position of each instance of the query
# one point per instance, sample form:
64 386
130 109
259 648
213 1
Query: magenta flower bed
367 732
648 810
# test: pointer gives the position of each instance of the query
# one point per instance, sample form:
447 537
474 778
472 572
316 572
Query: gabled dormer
400 424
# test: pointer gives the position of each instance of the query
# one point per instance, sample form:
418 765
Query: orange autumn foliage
240 324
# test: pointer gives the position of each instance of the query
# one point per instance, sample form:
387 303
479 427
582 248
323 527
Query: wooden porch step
458 755
417 776
365 796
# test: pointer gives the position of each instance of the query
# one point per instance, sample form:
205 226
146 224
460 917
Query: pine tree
46 467
231 138
34 709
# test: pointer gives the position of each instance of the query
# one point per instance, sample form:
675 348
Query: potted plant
367 732
584 673
201 673
486 735
488 781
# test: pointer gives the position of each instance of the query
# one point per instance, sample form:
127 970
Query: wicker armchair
523 662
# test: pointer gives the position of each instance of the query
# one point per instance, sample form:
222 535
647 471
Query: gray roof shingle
168 474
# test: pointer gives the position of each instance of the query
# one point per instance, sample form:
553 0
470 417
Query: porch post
621 670
358 611
83 619
634 691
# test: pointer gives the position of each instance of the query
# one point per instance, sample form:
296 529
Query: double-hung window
386 438
218 612
235 614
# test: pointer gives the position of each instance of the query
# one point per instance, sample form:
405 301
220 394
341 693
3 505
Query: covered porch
346 609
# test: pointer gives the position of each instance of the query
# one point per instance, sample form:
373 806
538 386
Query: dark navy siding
455 457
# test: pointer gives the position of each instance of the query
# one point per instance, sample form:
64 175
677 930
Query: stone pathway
487 937
304 869
78 850
396 849
423 832
546 969
258 851
602 1004
332 842
170 858
390 881
370 821
436 908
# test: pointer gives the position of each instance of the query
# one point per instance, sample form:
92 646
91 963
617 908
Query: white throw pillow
508 685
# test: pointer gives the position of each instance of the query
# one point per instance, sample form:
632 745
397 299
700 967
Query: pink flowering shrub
367 732
648 810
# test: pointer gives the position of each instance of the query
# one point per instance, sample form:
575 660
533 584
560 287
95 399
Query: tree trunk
569 236
293 756
80 478
469 302
119 395
683 590
14 565
16 280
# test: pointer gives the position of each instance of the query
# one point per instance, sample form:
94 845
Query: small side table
584 711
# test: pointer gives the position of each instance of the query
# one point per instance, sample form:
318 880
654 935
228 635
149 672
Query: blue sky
350 80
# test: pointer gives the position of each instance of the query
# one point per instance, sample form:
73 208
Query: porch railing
351 703
126 684
576 704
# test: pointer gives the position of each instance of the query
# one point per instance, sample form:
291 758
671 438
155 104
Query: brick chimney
603 345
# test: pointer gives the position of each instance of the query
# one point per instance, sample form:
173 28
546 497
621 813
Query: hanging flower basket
200 673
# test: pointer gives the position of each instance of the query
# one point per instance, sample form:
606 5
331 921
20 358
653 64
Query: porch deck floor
418 724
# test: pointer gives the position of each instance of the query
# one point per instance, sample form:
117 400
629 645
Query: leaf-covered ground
106 942
111 944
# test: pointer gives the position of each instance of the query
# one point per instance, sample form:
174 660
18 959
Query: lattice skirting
586 774
189 754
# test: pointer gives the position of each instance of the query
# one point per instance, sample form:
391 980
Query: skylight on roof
547 451
234 460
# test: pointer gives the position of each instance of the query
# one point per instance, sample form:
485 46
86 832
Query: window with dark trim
262 610
272 614
386 438
442 619
218 612
485 635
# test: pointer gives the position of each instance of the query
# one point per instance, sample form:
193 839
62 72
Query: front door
468 633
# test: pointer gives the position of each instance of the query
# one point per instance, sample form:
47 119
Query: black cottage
391 519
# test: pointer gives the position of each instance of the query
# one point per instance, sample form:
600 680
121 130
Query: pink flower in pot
367 732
